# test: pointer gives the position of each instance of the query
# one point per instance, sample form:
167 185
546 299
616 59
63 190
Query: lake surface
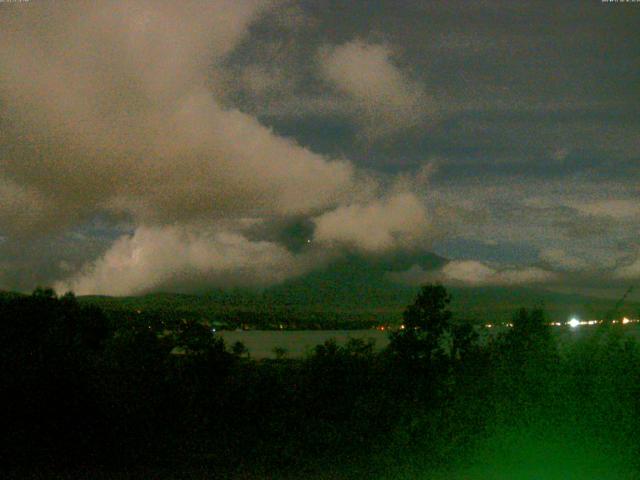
297 343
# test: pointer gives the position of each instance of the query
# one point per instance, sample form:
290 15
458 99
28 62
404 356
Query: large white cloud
114 107
109 109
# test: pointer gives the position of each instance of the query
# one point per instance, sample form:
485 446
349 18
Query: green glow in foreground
537 455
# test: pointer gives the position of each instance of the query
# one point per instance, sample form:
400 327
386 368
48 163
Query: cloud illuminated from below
180 258
473 273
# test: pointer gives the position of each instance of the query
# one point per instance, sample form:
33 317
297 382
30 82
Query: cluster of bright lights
573 323
626 320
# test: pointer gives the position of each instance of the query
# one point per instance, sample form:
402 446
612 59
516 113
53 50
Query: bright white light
625 320
574 322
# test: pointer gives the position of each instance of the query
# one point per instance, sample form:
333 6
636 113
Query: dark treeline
84 391
251 316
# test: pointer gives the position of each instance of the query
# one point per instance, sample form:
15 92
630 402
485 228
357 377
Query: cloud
155 115
474 273
108 110
559 259
400 220
616 208
629 270
385 98
21 207
178 258
536 216
115 110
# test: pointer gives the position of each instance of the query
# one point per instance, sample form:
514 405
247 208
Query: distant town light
574 322
625 320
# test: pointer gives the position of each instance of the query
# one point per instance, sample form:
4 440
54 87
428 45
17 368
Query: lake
297 343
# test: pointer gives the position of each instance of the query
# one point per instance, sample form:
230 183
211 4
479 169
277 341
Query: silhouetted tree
531 324
426 320
280 352
464 340
526 364
430 311
530 335
239 349
49 347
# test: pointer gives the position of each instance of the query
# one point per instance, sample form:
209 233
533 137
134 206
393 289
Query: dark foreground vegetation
91 396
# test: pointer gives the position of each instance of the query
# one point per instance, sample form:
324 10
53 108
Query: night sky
164 145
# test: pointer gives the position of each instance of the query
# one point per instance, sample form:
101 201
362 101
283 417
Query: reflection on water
297 343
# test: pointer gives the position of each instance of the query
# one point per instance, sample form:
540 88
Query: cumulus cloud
176 258
108 109
114 109
376 226
474 273
387 100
